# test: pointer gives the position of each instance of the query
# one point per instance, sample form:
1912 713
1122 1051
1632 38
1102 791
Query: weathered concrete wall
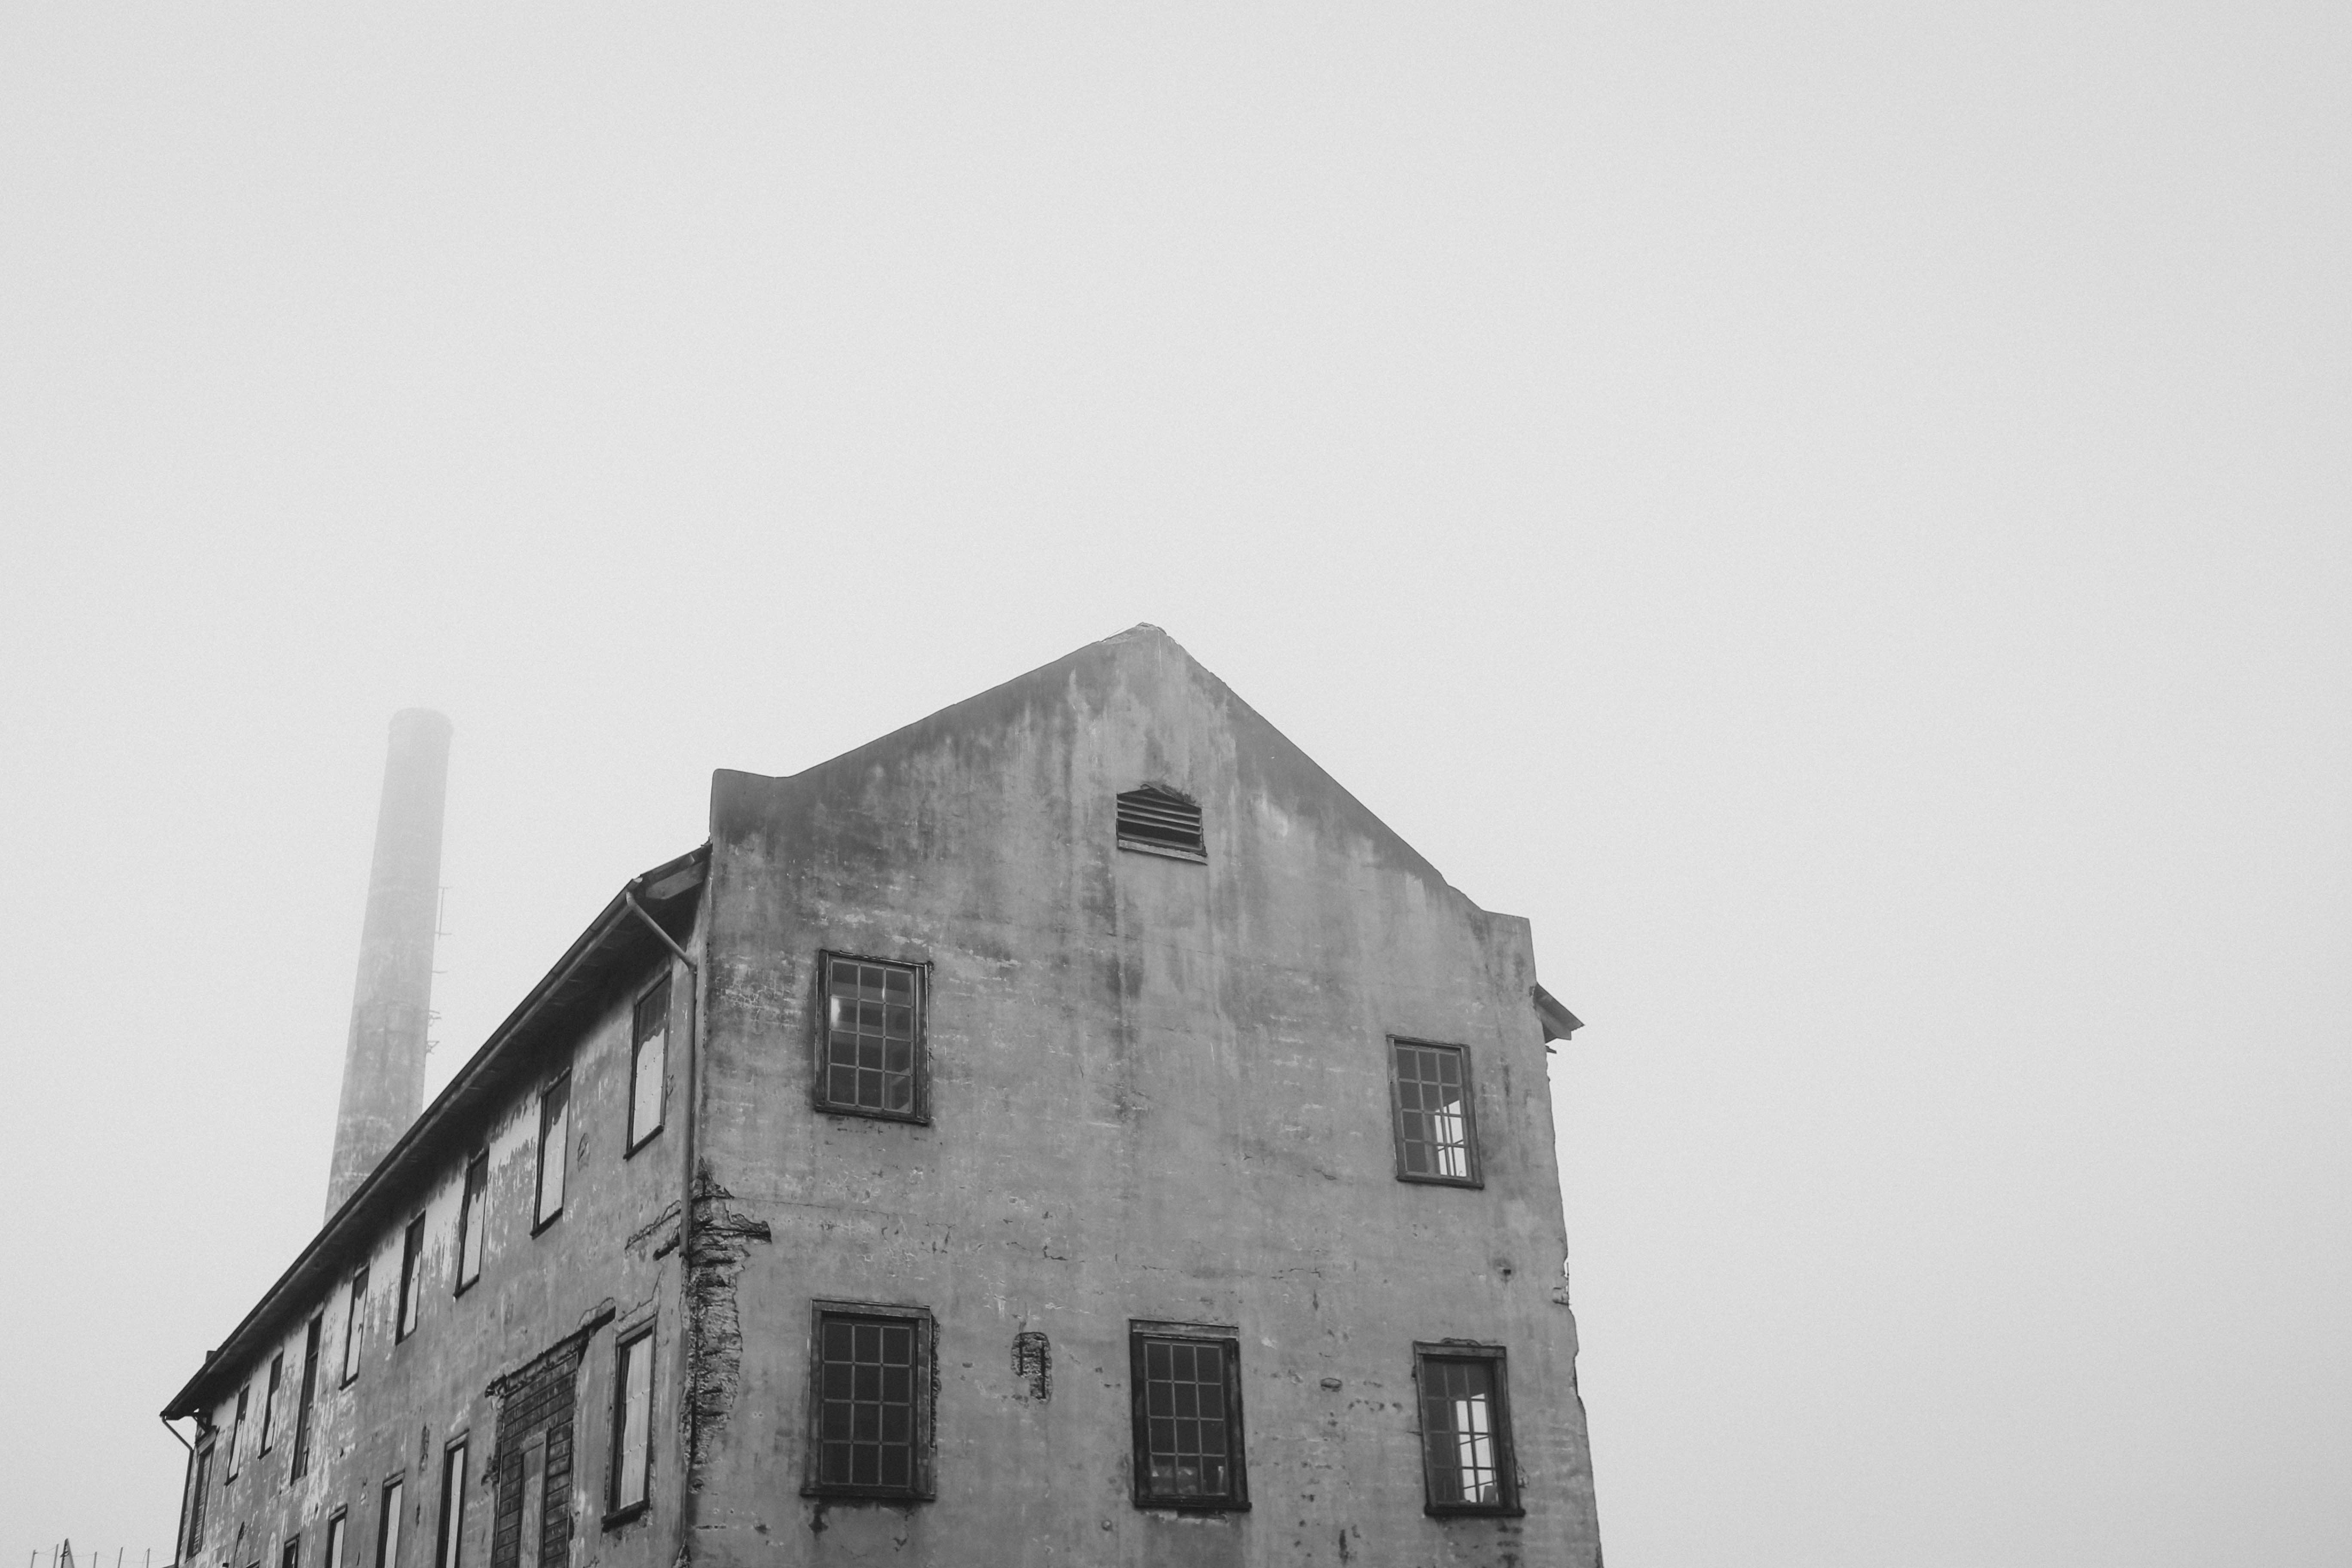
601 1266
1160 1090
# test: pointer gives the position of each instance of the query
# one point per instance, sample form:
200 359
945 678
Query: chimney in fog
384 1060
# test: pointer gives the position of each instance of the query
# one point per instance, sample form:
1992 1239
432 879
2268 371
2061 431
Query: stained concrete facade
1157 1090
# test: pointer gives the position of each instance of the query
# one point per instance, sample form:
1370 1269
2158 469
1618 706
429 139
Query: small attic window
1160 822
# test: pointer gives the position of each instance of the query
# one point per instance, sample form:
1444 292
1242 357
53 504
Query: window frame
449 1529
410 1311
338 1538
200 1485
473 1229
919 970
236 1434
1506 1466
1141 1332
354 1324
558 1085
289 1551
269 1400
312 1341
632 1139
639 1340
392 1500
1478 1176
923 1482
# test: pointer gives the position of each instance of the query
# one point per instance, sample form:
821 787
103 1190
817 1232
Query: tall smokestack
383 1062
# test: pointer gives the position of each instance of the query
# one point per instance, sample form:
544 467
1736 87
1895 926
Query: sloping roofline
614 941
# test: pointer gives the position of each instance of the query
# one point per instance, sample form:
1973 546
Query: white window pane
645 1114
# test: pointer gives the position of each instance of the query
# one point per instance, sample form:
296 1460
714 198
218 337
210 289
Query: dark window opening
648 1060
1158 821
1436 1134
473 1220
412 1278
1187 1392
200 1490
870 1402
1465 1430
554 1132
871 1054
290 1555
309 1388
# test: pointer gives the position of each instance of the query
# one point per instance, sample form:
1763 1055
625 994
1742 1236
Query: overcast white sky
1838 512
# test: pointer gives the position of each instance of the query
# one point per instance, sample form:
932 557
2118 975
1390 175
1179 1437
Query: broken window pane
1465 1444
1432 1113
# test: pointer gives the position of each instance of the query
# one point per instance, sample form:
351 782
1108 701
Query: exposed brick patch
722 1238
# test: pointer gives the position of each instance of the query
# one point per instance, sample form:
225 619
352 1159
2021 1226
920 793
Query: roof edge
346 1224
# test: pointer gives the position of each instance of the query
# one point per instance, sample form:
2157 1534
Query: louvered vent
1160 822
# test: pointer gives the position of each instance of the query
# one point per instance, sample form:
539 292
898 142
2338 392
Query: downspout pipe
180 1530
688 1328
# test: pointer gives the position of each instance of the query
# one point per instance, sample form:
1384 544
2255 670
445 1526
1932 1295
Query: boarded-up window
554 1133
311 1337
354 1321
648 1060
269 1400
387 1535
449 1548
473 1220
632 1397
412 1277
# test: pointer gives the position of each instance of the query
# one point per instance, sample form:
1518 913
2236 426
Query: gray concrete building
1071 1130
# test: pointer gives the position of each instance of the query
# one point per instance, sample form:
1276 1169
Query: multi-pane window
309 1388
236 1434
648 1060
473 1219
334 1557
353 1322
450 1544
412 1278
633 1400
554 1132
269 1400
1436 1135
1465 1429
871 1404
387 1535
1186 1383
871 1051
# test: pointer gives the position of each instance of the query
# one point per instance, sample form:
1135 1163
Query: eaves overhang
615 942
1558 1023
